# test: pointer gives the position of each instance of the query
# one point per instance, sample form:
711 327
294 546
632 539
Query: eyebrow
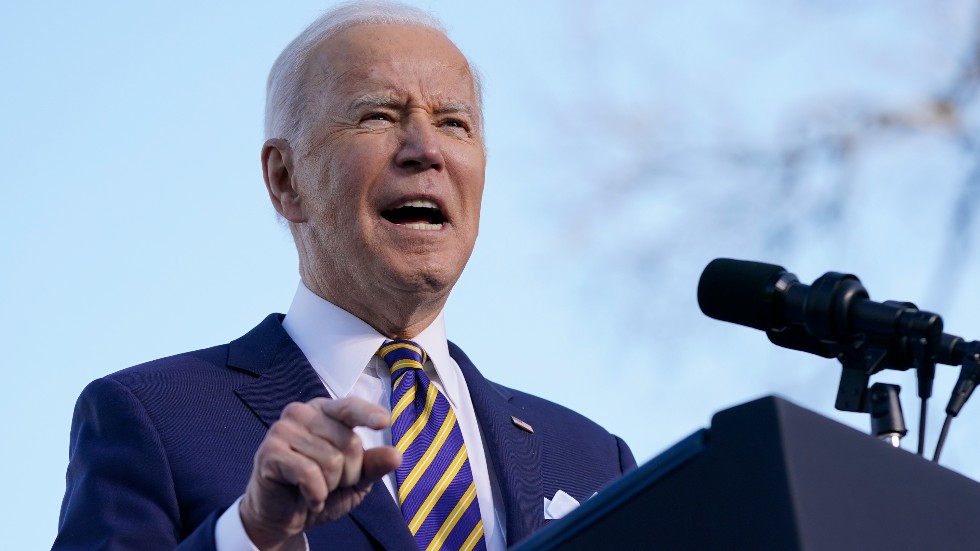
454 107
374 100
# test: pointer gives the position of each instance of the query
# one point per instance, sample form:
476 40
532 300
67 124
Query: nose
420 148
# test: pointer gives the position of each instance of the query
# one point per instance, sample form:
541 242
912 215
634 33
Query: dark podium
770 475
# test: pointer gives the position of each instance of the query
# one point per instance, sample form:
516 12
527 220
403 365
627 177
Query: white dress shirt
342 349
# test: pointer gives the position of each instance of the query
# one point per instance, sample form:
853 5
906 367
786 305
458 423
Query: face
389 177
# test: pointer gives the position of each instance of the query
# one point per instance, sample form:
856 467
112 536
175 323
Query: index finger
355 412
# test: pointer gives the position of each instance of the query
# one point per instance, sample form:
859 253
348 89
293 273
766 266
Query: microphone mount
835 318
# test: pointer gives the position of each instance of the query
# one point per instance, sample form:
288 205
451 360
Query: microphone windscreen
735 291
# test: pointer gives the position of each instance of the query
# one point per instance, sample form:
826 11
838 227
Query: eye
454 124
376 119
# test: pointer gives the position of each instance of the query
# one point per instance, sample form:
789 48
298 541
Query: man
280 440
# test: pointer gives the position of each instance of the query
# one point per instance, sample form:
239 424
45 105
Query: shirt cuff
229 532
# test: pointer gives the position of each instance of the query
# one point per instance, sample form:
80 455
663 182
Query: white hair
285 102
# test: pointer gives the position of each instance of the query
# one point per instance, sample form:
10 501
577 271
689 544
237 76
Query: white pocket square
559 506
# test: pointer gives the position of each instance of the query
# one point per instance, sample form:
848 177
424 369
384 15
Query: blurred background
629 144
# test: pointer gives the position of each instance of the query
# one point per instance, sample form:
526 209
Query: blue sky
137 226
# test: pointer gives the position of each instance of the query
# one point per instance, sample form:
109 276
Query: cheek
359 164
470 168
336 185
473 189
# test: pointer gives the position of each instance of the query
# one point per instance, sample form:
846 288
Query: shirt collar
339 345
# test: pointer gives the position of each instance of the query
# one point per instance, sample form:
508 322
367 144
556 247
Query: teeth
425 227
420 203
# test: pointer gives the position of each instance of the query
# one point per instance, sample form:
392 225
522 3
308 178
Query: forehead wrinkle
337 69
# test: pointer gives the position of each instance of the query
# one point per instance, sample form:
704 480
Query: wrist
265 538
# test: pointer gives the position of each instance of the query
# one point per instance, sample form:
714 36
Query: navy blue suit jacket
158 451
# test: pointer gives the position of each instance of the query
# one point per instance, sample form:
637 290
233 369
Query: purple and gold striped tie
435 484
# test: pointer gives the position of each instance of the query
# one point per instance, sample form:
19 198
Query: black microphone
835 316
836 309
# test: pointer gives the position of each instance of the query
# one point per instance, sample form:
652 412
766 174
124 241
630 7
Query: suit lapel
514 453
379 516
284 376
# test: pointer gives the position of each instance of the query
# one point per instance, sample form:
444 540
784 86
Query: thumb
378 462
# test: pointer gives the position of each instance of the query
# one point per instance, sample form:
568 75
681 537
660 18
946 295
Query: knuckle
274 441
310 472
270 467
354 444
319 402
353 404
332 479
334 462
277 430
342 408
294 410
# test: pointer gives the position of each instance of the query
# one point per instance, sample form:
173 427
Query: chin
429 281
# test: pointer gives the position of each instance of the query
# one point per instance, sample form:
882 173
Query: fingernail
378 419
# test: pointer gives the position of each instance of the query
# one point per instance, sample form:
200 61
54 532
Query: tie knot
401 354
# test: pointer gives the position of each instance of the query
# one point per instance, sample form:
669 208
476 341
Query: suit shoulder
193 365
259 346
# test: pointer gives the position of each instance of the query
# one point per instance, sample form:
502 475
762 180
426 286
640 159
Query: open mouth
418 214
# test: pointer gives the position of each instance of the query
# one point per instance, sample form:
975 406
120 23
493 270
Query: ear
277 169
